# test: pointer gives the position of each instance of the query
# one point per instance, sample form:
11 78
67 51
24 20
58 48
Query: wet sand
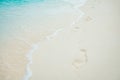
87 50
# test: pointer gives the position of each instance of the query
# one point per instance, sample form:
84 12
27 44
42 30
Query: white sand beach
62 42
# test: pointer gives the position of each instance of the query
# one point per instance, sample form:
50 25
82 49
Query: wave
40 8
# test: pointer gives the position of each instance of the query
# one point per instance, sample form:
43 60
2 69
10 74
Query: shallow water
27 23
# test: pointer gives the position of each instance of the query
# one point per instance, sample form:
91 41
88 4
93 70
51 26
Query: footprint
80 60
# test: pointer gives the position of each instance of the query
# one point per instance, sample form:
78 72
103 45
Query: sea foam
50 7
75 4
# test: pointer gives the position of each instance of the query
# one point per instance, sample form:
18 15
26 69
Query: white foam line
29 57
76 7
35 46
30 53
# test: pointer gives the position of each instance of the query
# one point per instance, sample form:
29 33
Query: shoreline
62 45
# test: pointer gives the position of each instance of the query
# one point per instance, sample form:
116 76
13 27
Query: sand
55 47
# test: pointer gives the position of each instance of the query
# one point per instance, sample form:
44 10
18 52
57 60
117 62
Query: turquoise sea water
28 19
23 2
17 2
16 13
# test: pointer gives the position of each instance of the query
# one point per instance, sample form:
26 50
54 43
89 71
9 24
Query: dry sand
87 51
